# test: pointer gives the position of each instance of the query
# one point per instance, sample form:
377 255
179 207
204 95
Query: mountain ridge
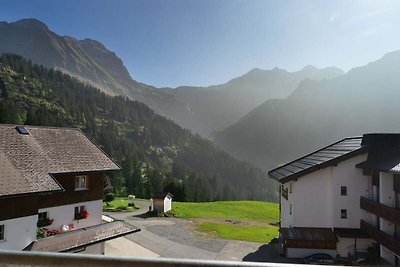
201 110
318 113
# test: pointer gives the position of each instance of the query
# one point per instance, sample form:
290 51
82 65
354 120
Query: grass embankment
238 220
119 204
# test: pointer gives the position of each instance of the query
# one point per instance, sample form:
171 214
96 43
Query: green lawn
262 234
237 210
119 204
238 220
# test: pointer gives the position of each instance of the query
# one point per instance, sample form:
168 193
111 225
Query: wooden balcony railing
381 237
385 212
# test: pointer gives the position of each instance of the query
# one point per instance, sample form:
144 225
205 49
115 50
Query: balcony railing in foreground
36 259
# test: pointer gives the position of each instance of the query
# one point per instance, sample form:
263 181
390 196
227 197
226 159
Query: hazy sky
204 42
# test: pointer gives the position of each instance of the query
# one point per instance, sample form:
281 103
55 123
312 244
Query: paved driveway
173 238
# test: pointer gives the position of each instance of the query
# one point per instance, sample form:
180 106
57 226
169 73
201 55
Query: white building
343 199
51 183
162 202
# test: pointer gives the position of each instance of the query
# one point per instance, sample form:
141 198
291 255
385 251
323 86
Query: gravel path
172 238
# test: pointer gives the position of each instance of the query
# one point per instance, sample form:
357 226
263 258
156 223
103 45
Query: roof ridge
314 152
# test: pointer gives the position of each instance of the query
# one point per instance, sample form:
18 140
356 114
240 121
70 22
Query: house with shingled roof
343 200
51 191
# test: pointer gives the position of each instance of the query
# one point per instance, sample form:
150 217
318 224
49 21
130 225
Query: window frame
81 182
343 214
2 232
42 218
80 209
343 190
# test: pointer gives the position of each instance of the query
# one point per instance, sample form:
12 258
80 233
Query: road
173 238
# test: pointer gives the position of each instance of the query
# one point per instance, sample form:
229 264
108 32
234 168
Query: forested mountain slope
364 100
154 152
202 110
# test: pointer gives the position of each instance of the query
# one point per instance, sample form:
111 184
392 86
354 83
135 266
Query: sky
168 43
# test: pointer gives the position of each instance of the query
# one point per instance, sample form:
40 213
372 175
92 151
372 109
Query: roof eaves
119 167
316 167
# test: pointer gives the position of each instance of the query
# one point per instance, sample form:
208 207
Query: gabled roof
27 161
83 237
325 157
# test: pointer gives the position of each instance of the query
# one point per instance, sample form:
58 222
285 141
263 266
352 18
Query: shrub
109 197
122 208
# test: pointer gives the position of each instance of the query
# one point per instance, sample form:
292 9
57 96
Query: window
81 182
290 188
2 232
343 214
43 215
343 190
290 209
78 210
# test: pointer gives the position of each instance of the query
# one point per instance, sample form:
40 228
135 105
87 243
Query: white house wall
386 192
167 204
346 174
310 200
316 200
19 232
346 246
64 215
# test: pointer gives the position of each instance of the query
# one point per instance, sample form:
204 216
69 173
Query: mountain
216 107
154 152
318 113
202 110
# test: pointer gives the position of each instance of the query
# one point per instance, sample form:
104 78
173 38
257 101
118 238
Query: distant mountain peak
93 42
32 22
309 68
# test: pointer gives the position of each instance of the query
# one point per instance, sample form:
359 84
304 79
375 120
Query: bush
109 197
131 204
122 208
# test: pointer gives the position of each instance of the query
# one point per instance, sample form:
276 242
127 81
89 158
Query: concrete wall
304 252
65 215
346 246
387 255
386 190
19 232
167 204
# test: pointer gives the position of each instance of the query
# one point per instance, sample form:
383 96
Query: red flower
84 214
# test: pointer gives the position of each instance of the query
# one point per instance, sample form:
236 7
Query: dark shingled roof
309 234
28 160
384 152
351 233
327 156
83 237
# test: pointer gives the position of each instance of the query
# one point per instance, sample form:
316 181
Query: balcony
385 212
381 237
25 259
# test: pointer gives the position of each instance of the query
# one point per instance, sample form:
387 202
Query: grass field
119 204
238 220
262 234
